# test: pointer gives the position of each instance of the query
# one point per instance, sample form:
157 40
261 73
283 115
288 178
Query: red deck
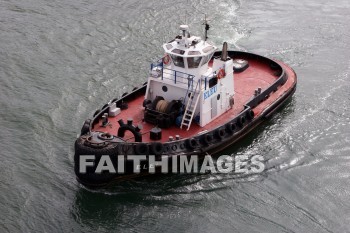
257 75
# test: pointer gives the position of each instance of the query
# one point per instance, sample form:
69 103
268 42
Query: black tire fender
141 149
156 148
96 112
220 133
191 143
86 127
241 121
250 115
104 106
90 177
207 138
231 127
174 147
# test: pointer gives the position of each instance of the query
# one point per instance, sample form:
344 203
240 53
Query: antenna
206 27
186 12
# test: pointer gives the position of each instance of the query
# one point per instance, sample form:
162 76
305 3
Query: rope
162 106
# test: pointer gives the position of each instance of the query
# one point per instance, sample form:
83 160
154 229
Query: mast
206 28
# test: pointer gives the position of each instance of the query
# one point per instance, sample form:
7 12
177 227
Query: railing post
175 76
162 69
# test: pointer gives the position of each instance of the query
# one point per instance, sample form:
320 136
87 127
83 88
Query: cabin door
214 106
223 100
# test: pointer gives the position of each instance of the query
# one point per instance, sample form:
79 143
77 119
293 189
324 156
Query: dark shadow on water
122 204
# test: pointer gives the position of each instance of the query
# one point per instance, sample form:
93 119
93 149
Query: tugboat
197 100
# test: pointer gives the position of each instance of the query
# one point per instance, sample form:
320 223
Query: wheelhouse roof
189 47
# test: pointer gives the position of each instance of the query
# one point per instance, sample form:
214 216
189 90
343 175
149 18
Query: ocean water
61 60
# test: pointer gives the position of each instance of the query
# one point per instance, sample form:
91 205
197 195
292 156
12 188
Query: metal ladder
190 108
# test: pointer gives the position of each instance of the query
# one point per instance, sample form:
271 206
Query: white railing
177 77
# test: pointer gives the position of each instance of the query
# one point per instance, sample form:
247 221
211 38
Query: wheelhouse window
193 62
178 51
207 58
194 53
178 61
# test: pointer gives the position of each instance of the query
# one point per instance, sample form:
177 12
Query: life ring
166 59
221 73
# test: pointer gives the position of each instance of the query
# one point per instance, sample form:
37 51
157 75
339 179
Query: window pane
207 58
207 49
194 53
178 51
178 61
193 62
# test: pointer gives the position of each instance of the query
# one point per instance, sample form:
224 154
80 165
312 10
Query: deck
257 75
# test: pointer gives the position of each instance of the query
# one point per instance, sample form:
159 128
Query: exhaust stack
224 52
